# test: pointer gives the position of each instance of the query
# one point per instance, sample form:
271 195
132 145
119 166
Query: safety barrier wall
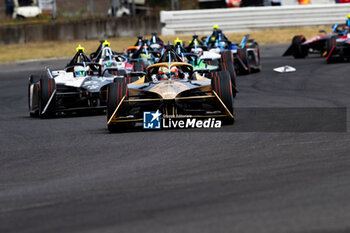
79 30
252 18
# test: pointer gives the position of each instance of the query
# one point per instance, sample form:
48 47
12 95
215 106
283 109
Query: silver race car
81 85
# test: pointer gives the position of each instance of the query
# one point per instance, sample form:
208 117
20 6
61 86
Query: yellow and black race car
172 89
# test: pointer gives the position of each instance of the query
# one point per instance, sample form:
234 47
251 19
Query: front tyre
47 98
243 57
33 95
116 91
221 84
299 51
256 67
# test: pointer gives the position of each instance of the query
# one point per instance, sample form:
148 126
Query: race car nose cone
169 89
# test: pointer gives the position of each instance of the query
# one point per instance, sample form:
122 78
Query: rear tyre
115 93
300 51
139 66
242 54
257 67
221 84
130 79
227 64
47 102
33 95
214 62
121 72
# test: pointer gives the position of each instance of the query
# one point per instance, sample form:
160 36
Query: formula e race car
156 43
80 86
205 62
172 89
142 55
107 58
246 54
300 47
199 59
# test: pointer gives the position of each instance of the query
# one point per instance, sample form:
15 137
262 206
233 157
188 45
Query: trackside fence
252 18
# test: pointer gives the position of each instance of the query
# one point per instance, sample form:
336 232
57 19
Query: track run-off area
265 173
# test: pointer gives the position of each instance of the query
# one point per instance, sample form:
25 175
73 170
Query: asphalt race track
70 174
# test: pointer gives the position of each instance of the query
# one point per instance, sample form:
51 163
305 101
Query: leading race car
173 89
80 86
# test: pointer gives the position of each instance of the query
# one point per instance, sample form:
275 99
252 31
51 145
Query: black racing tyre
299 50
227 64
33 79
130 79
115 93
140 66
330 47
117 72
127 79
47 86
136 66
242 54
214 62
253 44
221 84
121 72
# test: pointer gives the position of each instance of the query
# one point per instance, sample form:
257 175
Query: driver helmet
155 46
145 57
108 63
174 73
162 72
81 71
222 43
198 51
